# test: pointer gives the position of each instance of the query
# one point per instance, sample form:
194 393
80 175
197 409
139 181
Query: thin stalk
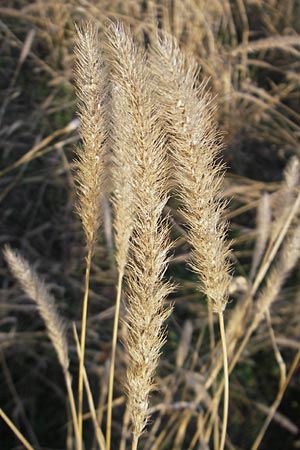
98 431
12 426
112 363
82 341
276 403
73 407
270 255
226 381
135 442
212 350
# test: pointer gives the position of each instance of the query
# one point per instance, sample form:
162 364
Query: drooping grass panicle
91 90
149 243
33 285
195 145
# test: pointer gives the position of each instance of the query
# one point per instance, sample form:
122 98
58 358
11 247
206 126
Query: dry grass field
126 244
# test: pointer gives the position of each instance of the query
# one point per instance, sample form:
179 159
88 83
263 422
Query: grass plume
37 290
195 146
149 245
91 92
91 85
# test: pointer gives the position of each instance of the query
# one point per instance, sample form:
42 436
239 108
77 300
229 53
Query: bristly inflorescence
91 89
195 145
36 289
149 244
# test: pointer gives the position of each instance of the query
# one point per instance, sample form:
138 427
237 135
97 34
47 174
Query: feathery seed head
90 78
195 146
37 290
139 143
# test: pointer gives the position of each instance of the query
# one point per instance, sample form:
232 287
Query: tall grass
150 141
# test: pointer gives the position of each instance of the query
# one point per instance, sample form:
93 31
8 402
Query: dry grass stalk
149 245
195 146
287 260
123 153
91 91
276 403
121 168
38 291
286 206
15 430
98 432
90 78
263 230
285 197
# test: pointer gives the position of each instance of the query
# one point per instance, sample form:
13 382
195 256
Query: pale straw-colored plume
91 87
37 290
195 144
121 170
34 286
149 244
122 157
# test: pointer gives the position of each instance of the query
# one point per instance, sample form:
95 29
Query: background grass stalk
35 287
12 426
113 360
82 341
276 403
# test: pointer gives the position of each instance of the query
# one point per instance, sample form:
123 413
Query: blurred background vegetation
249 52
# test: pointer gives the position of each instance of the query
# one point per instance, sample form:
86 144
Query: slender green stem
82 341
226 382
113 359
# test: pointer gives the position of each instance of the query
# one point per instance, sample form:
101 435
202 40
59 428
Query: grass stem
98 432
82 342
112 363
12 426
135 442
226 381
72 406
